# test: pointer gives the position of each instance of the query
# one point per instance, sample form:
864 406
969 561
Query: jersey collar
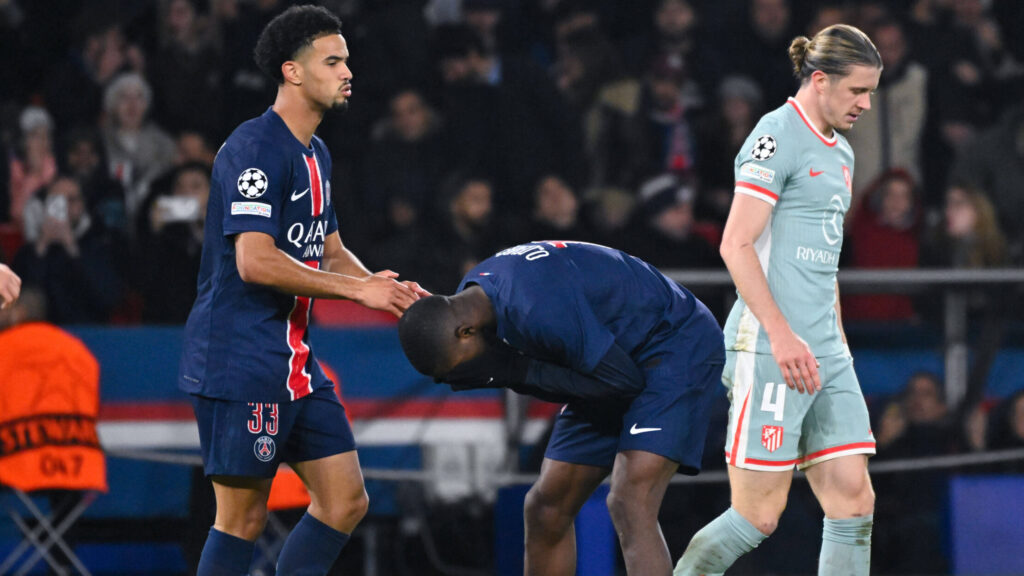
278 122
830 142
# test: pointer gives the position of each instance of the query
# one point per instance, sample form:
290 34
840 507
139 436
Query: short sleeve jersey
244 341
787 162
568 302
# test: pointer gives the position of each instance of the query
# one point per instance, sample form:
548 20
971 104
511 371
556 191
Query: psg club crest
252 183
264 448
771 437
764 148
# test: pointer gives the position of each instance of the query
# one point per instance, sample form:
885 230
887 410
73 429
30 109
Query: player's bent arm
747 220
748 217
341 260
260 261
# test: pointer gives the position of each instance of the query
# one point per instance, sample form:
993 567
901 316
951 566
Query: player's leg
240 457
239 521
549 510
838 441
844 489
321 450
338 501
639 480
762 445
758 499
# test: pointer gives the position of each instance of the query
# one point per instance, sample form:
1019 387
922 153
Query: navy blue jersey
567 302
245 341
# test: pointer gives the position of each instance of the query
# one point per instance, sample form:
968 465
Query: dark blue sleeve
615 377
332 216
253 181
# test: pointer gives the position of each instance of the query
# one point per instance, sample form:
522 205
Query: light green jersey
806 177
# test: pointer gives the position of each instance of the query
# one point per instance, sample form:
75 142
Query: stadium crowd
477 124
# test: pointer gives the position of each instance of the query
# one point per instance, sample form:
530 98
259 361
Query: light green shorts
774 428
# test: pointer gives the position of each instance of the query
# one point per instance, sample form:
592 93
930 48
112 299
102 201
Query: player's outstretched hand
796 361
10 286
381 291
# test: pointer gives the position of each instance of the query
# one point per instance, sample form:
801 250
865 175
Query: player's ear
820 80
292 72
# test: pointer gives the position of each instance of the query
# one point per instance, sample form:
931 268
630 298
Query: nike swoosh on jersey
296 196
634 430
818 173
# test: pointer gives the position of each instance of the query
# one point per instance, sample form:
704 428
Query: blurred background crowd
476 124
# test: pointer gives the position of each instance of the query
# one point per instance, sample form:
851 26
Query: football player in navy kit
637 358
271 247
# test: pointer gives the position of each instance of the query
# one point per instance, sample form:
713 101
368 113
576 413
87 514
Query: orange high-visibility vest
49 399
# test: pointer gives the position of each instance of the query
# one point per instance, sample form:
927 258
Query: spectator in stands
186 72
1007 429
679 35
237 25
68 258
664 235
74 90
171 242
826 14
138 150
471 233
505 118
34 166
969 235
589 75
908 535
410 245
85 160
556 211
994 162
405 164
730 119
193 146
609 215
885 233
890 134
765 31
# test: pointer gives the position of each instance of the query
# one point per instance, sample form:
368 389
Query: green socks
846 547
716 546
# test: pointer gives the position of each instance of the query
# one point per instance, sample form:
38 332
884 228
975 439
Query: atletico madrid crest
771 437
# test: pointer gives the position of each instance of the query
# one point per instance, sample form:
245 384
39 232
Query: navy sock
225 555
310 549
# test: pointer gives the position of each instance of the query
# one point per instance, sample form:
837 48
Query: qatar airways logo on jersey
310 241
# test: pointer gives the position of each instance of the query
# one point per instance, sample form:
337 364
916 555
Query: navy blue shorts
669 418
251 438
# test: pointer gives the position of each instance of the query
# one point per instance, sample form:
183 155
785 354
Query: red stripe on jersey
827 451
316 193
758 189
799 111
299 381
739 427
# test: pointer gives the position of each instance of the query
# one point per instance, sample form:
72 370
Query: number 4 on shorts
777 406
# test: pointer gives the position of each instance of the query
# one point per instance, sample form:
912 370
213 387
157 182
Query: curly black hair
290 32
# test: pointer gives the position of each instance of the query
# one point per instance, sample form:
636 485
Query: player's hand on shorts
381 291
796 361
10 286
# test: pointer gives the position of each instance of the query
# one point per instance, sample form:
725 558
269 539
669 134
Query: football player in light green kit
795 398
